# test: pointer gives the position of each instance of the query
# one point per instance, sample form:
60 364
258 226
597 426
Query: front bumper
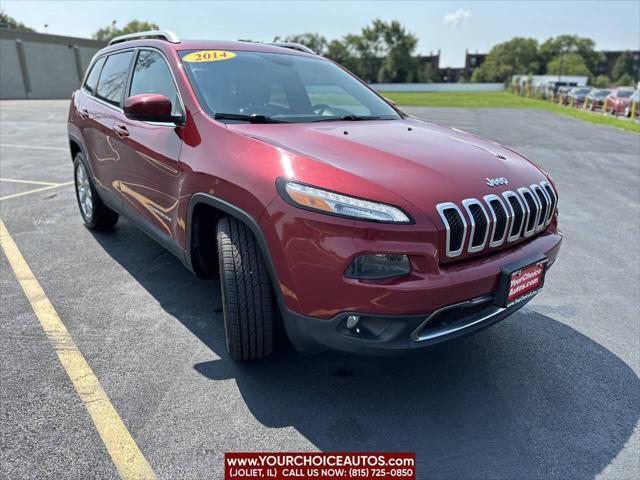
384 333
388 335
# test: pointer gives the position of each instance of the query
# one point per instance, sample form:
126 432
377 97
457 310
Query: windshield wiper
351 118
255 118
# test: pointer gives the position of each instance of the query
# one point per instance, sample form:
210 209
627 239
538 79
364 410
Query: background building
38 65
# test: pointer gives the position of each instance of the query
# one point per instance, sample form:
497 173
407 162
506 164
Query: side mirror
149 107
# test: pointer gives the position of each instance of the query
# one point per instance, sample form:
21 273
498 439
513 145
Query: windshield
582 91
603 93
625 93
285 88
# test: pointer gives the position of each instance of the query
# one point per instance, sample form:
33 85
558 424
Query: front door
148 174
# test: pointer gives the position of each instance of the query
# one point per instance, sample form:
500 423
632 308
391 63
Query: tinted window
92 78
286 87
114 77
152 75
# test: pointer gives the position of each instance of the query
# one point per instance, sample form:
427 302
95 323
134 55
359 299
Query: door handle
121 131
83 113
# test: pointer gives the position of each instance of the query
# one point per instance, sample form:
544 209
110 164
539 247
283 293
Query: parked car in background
634 98
554 89
595 99
577 96
618 100
563 95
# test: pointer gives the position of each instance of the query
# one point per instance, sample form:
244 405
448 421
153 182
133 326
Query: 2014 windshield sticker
208 56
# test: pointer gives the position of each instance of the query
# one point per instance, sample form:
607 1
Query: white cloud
455 19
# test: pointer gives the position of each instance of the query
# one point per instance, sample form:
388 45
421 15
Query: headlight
332 203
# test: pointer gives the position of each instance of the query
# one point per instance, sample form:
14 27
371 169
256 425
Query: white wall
438 87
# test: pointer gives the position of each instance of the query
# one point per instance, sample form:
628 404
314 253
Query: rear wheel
95 214
247 300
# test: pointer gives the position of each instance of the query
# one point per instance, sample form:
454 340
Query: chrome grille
479 221
553 199
543 202
497 219
532 211
517 214
456 228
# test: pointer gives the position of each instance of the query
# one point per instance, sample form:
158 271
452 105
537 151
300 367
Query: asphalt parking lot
552 392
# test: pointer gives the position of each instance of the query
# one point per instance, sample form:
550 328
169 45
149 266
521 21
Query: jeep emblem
494 182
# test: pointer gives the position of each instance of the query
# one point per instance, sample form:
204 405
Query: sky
451 27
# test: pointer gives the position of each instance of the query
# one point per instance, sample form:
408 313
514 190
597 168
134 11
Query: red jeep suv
319 203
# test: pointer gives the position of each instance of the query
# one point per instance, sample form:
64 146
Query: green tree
367 52
9 22
601 81
518 56
107 33
625 65
399 64
568 64
342 52
625 80
585 47
314 41
383 52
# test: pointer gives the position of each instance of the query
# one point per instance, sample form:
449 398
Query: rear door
100 108
148 170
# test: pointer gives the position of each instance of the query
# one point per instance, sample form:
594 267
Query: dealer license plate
520 283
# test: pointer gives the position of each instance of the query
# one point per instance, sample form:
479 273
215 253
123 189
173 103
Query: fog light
352 321
379 266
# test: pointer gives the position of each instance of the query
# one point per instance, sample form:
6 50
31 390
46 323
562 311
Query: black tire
98 216
247 300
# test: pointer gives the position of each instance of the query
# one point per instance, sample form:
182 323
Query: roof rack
167 35
293 46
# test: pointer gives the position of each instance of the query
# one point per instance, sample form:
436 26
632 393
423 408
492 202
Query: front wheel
247 300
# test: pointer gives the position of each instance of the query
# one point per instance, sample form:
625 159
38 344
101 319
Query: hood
419 161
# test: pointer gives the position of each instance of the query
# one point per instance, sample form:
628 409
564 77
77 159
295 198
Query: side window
114 77
92 78
152 75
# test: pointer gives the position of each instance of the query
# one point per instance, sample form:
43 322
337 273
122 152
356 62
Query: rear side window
92 78
114 77
152 75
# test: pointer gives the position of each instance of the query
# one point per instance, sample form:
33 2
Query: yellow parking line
34 182
123 450
36 147
35 190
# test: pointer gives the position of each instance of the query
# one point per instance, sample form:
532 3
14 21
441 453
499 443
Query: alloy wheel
83 188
